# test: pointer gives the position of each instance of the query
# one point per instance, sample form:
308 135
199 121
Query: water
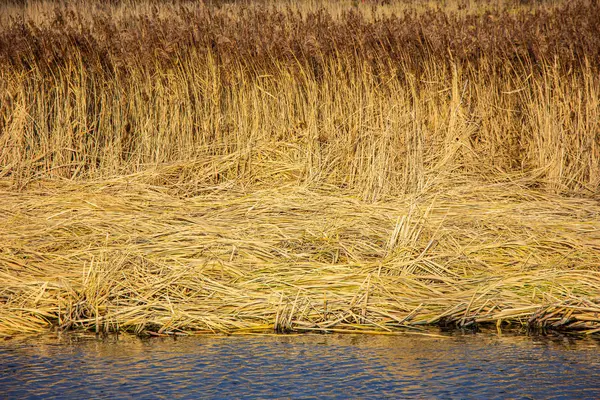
305 366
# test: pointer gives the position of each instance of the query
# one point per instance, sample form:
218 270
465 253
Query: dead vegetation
203 167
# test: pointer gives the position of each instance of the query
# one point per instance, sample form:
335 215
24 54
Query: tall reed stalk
382 104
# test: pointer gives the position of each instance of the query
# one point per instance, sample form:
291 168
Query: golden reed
174 166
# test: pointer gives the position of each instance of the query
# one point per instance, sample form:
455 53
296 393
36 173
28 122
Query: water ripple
308 366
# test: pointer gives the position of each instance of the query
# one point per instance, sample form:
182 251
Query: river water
454 365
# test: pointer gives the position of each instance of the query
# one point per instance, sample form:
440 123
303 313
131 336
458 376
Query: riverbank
127 255
314 166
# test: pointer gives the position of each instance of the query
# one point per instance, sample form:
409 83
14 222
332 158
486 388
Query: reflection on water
341 366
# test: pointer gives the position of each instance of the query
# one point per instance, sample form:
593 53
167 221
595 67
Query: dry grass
383 104
184 167
125 255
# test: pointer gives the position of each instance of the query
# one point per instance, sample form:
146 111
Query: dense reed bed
117 255
350 166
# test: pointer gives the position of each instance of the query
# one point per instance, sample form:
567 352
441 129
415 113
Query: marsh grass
115 255
234 167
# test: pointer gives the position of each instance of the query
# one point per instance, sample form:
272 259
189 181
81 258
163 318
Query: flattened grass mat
119 255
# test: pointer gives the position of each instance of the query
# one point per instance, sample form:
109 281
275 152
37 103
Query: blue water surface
453 365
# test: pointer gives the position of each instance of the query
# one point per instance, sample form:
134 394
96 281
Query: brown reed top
259 35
